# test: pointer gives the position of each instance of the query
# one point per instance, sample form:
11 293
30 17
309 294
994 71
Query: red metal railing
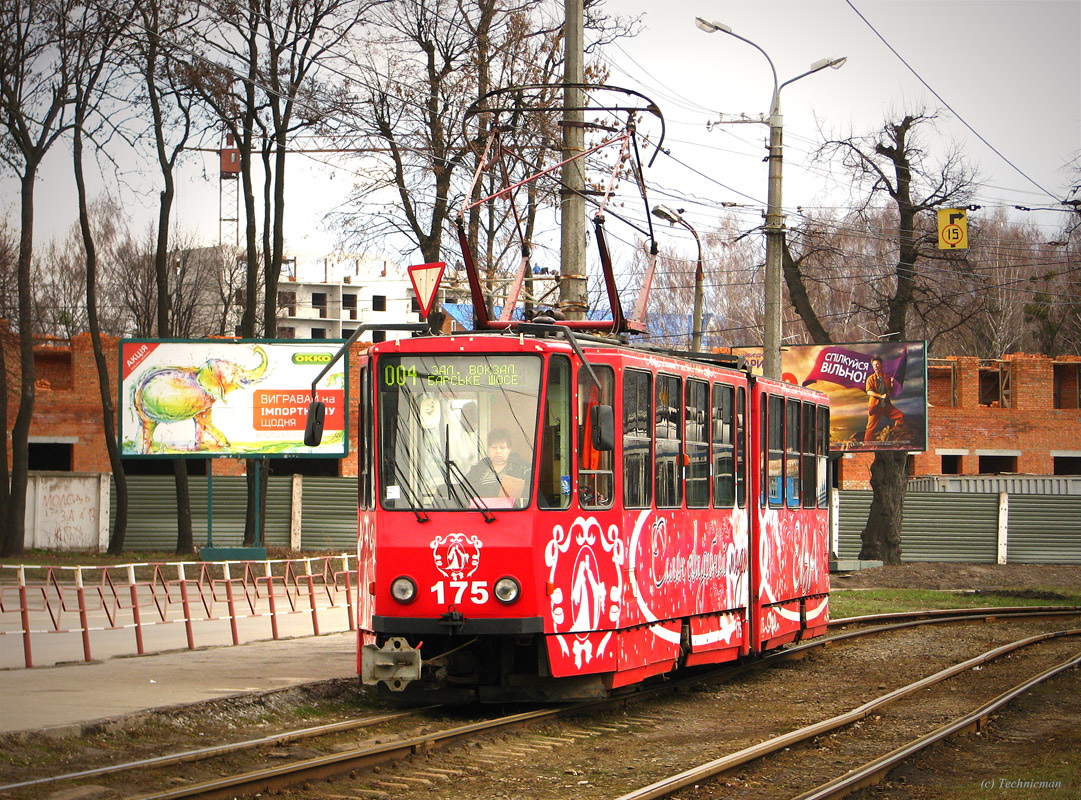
39 601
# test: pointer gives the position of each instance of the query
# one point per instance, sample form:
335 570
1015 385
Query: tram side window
741 447
776 451
669 471
823 457
637 442
365 436
554 475
809 480
792 452
763 449
696 433
595 467
724 478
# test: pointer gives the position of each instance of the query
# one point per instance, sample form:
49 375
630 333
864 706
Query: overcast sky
1010 69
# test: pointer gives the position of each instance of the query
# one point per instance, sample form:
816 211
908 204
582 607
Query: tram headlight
507 590
404 589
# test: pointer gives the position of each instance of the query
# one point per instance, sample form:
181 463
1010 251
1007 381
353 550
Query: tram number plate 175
455 592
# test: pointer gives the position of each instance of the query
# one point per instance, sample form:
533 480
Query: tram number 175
478 591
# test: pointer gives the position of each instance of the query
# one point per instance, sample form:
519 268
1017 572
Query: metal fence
938 526
136 608
974 527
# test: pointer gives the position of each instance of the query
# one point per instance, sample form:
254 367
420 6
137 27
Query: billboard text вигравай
212 398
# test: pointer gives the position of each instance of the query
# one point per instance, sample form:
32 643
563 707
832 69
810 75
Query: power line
940 99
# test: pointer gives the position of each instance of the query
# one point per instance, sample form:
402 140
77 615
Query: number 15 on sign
952 229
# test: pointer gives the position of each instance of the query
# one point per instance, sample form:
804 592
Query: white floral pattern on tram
593 580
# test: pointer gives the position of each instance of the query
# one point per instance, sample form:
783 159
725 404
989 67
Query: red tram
588 559
546 513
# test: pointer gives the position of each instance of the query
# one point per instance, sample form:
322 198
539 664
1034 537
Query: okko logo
456 556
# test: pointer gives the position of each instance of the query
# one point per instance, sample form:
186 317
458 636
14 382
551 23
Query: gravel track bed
610 755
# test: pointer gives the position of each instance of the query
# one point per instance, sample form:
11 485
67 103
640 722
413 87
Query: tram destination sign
235 399
877 390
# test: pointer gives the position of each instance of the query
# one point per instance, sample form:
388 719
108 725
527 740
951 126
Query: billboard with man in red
877 390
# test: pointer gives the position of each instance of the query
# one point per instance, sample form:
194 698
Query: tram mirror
602 421
313 428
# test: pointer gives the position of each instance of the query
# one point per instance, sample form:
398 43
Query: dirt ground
980 577
1035 740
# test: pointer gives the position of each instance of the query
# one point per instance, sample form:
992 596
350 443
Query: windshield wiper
484 510
414 505
451 465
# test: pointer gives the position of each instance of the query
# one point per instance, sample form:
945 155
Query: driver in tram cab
503 473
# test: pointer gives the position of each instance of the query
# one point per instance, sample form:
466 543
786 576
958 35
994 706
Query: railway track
395 747
872 771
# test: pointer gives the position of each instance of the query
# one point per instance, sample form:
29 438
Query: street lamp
771 343
673 217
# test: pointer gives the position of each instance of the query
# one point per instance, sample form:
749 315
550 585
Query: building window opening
1067 386
1067 465
995 384
349 305
941 383
287 302
379 302
323 467
319 333
951 465
53 366
994 465
319 303
50 456
162 466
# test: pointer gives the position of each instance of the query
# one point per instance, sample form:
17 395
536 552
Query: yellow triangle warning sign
425 278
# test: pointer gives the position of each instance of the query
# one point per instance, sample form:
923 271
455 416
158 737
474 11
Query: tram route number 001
478 591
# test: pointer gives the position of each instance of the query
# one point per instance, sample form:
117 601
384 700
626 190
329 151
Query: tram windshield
457 431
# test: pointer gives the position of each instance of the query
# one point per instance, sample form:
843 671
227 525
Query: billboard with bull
877 390
219 398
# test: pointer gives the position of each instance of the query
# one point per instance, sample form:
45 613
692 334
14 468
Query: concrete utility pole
572 286
772 336
771 339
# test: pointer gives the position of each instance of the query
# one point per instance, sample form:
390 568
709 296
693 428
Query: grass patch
858 602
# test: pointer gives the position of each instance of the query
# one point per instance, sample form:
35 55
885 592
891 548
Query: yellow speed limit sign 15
952 229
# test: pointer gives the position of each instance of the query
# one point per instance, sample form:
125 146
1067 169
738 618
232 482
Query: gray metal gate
329 514
936 526
152 511
1044 529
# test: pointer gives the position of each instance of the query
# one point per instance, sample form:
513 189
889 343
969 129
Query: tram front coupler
395 663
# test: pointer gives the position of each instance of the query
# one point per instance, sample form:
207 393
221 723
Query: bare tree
59 276
419 75
132 256
9 259
281 85
97 31
164 26
893 163
227 286
36 93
